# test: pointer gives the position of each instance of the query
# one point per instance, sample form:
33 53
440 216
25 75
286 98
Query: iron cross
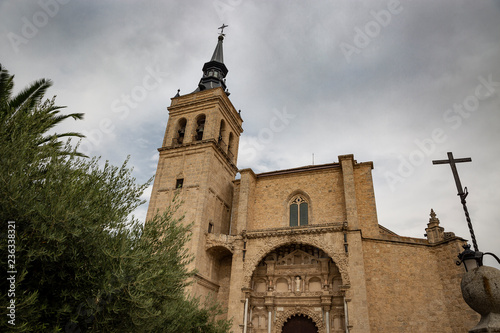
222 28
452 161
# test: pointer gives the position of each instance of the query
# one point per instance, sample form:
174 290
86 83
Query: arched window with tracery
299 211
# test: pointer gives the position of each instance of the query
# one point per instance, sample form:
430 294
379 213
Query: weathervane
222 29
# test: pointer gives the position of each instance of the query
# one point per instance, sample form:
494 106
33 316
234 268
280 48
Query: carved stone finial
433 221
434 232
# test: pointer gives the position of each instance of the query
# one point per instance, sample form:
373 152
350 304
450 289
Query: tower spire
214 71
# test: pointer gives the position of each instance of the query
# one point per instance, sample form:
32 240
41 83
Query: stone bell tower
198 163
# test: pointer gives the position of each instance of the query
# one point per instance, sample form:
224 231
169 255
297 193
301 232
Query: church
301 249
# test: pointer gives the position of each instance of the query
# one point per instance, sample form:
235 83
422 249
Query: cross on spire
222 29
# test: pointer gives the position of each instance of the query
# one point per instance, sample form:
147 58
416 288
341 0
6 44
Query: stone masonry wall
460 315
208 172
408 288
272 194
365 197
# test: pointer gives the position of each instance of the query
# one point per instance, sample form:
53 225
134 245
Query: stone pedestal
481 291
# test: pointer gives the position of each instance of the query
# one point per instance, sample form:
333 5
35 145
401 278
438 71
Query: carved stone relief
266 245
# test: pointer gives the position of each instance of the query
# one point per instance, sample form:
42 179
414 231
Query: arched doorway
295 278
299 324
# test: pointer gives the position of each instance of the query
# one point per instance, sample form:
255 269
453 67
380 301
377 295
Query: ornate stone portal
296 279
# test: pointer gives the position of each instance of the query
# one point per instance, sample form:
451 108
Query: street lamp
473 259
470 259
480 284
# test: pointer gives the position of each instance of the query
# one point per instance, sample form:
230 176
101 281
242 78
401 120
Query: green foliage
25 115
83 265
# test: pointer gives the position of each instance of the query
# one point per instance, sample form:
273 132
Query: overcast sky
396 83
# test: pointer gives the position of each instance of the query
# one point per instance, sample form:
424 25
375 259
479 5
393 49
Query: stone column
269 320
245 316
346 316
326 304
269 300
327 319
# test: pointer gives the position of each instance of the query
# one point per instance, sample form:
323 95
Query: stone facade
301 242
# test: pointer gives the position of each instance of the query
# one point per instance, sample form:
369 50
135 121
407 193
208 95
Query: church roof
384 230
308 168
299 169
